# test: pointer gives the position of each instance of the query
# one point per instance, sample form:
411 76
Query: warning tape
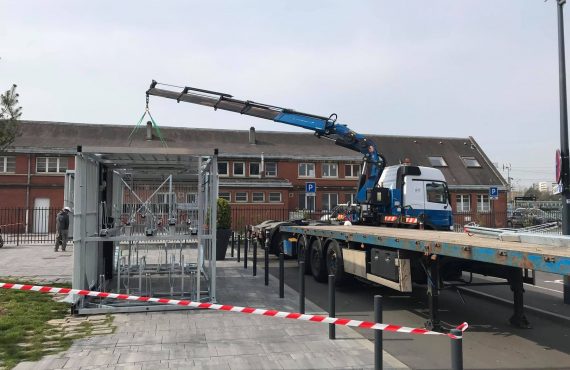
249 310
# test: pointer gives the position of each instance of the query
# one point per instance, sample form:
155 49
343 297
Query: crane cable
154 124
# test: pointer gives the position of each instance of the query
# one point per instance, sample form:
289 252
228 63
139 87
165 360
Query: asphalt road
490 342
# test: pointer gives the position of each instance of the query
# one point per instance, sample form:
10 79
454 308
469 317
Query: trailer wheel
334 261
303 254
318 266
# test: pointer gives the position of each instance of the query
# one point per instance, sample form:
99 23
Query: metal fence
37 225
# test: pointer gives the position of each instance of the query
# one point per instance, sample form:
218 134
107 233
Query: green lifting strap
147 111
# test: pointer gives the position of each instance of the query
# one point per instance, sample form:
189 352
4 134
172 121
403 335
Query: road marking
490 278
554 281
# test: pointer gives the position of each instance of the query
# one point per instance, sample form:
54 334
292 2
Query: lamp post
565 170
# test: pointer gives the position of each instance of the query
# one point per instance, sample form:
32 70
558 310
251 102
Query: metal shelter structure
143 223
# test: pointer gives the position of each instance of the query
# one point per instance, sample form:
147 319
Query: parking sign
310 187
493 192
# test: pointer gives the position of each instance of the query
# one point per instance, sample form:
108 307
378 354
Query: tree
10 112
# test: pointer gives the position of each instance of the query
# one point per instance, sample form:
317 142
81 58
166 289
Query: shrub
224 214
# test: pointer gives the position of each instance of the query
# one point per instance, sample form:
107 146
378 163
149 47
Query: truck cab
411 195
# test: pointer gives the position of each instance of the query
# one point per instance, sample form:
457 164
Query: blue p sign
493 192
310 187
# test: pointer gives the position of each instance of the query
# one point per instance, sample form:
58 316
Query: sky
487 69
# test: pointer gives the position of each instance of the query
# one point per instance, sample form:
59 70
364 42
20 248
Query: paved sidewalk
203 339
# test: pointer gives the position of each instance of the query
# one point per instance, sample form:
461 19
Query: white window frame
353 174
267 173
4 163
350 198
438 158
227 169
222 195
328 195
471 165
237 195
460 201
58 161
234 169
483 203
191 194
254 193
330 166
305 198
273 193
258 169
307 173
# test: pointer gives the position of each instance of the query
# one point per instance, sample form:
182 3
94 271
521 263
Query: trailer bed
553 259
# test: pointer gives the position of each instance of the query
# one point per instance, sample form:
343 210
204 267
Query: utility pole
507 167
565 169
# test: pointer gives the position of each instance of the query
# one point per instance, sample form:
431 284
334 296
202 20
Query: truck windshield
435 192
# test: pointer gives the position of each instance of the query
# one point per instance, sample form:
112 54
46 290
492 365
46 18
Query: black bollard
254 257
233 242
457 350
245 245
332 331
378 346
301 287
239 246
266 252
281 275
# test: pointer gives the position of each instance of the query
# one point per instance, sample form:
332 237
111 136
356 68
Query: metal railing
27 226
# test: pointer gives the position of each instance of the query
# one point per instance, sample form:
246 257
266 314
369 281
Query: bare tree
10 112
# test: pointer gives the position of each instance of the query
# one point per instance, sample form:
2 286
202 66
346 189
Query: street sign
310 188
557 189
525 199
493 192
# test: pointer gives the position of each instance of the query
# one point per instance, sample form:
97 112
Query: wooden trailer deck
545 258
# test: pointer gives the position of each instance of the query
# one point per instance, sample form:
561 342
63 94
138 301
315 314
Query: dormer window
470 162
437 161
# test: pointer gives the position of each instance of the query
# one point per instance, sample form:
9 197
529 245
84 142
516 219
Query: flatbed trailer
396 257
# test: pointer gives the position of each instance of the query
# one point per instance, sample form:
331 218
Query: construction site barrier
248 310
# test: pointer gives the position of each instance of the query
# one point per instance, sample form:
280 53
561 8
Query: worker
62 228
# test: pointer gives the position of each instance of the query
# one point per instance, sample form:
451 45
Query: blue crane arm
322 126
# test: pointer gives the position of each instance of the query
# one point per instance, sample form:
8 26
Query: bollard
456 350
281 275
378 346
239 244
245 245
254 257
332 332
233 243
301 287
266 252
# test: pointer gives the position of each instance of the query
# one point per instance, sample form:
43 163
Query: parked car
525 217
339 213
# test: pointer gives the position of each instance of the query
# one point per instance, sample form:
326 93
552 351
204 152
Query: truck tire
335 262
303 254
318 266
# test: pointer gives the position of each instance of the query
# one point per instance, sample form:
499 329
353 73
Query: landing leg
518 319
433 296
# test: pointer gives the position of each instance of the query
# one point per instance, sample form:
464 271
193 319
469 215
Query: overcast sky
488 69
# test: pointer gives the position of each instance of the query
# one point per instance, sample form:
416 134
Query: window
306 170
483 204
350 198
225 195
470 162
436 192
8 164
191 197
270 169
306 201
275 197
223 169
329 201
437 161
258 197
254 169
330 170
351 170
241 197
463 203
51 165
239 169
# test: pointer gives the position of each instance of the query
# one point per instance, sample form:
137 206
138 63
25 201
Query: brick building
265 172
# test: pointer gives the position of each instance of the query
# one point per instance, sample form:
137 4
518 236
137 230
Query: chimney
148 130
252 135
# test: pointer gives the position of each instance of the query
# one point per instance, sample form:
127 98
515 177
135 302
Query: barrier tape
249 310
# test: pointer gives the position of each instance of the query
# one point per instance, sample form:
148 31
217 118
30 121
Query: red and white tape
249 310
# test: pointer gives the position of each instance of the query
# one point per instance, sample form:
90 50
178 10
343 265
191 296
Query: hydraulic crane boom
322 126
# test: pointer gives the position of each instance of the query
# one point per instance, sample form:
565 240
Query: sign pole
563 137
